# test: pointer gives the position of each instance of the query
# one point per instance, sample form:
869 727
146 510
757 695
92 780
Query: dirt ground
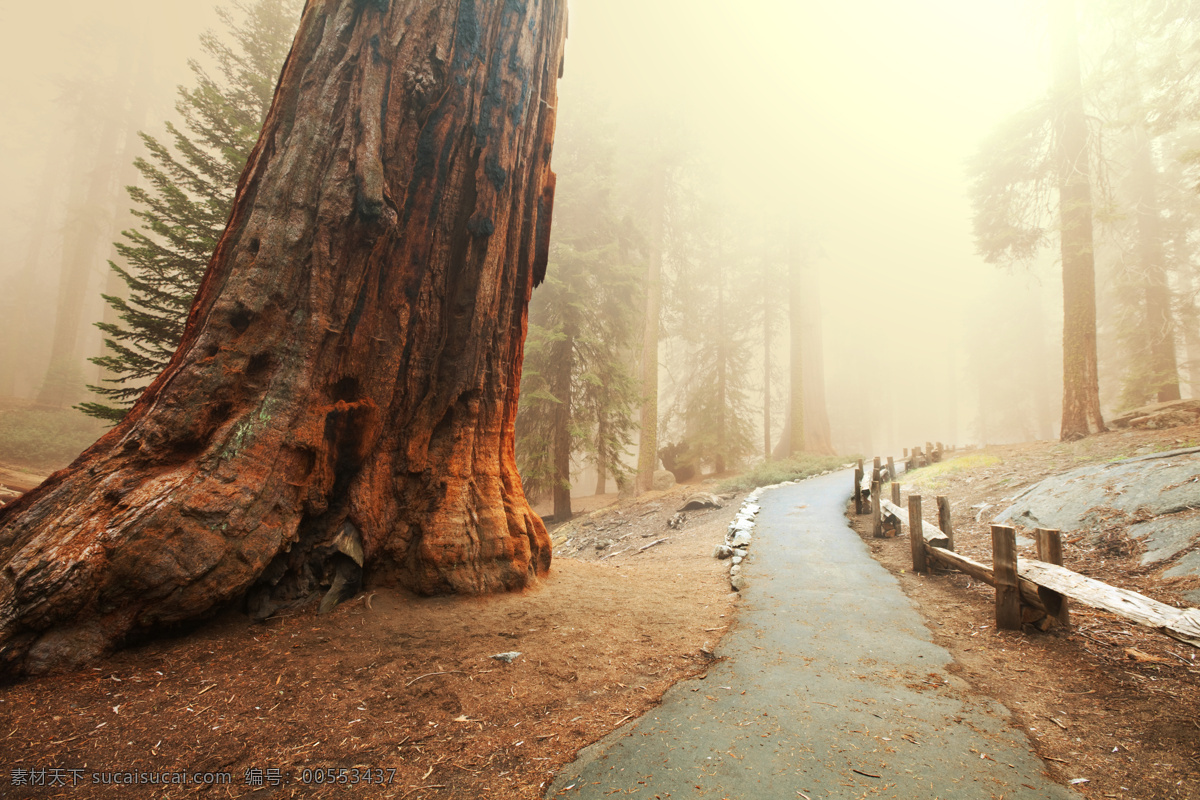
400 691
389 688
1108 703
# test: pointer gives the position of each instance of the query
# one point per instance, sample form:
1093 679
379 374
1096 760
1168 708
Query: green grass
45 438
933 476
788 469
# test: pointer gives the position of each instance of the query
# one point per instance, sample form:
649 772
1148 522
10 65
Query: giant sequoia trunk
350 367
1081 387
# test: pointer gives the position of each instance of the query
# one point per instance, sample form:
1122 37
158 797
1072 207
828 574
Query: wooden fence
1041 586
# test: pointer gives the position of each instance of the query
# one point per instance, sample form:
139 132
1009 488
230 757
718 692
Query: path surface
830 687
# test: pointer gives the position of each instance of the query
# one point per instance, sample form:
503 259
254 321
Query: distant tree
712 320
187 196
577 391
1040 156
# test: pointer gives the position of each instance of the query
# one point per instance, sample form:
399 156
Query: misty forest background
848 216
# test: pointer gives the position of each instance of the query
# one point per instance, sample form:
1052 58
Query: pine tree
187 194
577 392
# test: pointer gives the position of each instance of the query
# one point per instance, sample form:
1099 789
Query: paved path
831 688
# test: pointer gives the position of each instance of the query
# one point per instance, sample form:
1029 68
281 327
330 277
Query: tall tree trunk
1189 320
86 226
1081 387
722 368
796 417
817 436
561 442
648 415
350 366
768 292
601 461
1159 323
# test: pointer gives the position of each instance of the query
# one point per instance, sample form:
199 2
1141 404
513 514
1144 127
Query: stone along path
830 687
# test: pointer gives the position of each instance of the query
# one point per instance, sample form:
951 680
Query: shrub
767 473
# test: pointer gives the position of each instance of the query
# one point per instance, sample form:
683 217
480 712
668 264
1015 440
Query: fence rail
1042 585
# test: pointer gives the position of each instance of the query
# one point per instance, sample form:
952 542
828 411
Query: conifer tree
577 391
186 196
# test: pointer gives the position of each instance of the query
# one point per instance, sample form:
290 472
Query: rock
677 519
737 582
1160 483
722 551
663 480
742 525
735 569
740 552
740 539
1173 406
701 500
737 560
1166 536
1164 419
750 509
507 658
67 648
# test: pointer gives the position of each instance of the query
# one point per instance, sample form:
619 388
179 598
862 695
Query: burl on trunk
345 391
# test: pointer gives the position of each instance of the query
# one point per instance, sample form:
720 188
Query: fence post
1004 566
916 535
858 476
895 492
943 504
906 452
876 511
1049 548
891 469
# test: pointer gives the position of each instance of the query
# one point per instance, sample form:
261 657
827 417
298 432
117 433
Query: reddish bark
1081 387
351 363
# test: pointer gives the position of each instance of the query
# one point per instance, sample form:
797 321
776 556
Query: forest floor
391 688
403 691
1105 702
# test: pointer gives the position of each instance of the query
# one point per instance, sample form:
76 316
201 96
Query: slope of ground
1107 703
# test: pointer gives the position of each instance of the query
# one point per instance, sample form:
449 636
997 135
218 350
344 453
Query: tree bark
1081 388
351 363
648 415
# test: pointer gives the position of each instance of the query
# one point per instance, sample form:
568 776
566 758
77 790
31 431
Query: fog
844 129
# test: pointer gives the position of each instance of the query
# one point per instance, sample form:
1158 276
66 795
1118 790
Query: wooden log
876 516
916 536
1004 569
895 493
943 507
858 501
983 573
1049 547
876 467
932 534
1178 623
891 469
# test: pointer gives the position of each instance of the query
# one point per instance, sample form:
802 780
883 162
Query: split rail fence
1042 585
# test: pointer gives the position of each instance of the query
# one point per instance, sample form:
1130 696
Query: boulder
701 500
1161 483
722 551
740 539
663 480
737 582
